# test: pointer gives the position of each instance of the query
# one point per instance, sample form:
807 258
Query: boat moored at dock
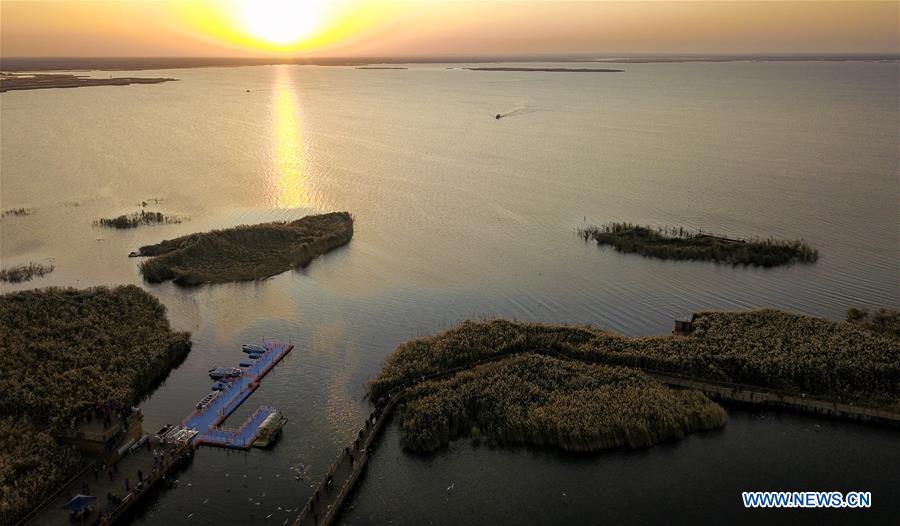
217 373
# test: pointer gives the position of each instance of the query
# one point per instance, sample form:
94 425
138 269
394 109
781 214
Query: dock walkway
332 492
206 420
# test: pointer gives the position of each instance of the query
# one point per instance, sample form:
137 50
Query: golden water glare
290 169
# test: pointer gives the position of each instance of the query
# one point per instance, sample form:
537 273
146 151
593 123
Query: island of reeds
768 349
142 217
530 399
17 212
22 273
15 81
63 352
247 252
681 244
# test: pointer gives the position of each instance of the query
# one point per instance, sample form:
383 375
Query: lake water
459 215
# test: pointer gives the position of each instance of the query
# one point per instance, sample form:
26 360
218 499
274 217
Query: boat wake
520 109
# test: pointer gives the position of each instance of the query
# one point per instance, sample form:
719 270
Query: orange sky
383 28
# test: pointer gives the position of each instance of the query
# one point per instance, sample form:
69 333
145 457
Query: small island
17 212
380 67
682 244
22 273
247 252
13 81
137 219
551 70
68 357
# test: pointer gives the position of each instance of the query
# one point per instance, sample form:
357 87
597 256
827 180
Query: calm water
459 216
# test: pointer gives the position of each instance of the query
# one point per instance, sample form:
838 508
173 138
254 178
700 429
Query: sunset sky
382 28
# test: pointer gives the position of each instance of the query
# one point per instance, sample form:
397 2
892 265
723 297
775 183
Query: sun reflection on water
290 169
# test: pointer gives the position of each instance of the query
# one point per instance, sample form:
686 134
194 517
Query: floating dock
214 409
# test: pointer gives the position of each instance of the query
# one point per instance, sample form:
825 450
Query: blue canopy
79 502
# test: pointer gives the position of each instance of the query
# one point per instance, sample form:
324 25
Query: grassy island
678 243
13 81
22 273
543 401
245 252
62 351
766 348
143 217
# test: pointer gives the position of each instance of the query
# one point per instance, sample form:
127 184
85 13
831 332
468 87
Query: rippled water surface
459 215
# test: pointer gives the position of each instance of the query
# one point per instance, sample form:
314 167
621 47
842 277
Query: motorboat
218 373
252 348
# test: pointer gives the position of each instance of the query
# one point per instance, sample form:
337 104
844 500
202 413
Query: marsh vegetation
32 464
142 217
247 252
768 349
556 403
22 273
681 244
62 352
12 81
17 212
884 321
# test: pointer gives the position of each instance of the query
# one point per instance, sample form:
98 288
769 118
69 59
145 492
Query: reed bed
139 218
62 352
17 212
883 321
22 273
681 244
763 348
245 252
549 402
32 465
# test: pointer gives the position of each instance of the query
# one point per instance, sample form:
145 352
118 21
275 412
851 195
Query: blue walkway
207 419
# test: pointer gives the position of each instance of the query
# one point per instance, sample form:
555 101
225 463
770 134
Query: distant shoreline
553 70
149 63
41 81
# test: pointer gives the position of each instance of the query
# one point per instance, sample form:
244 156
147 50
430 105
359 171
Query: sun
282 22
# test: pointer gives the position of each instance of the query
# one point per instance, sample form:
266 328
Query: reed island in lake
19 81
678 243
65 354
136 219
247 252
580 388
21 273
